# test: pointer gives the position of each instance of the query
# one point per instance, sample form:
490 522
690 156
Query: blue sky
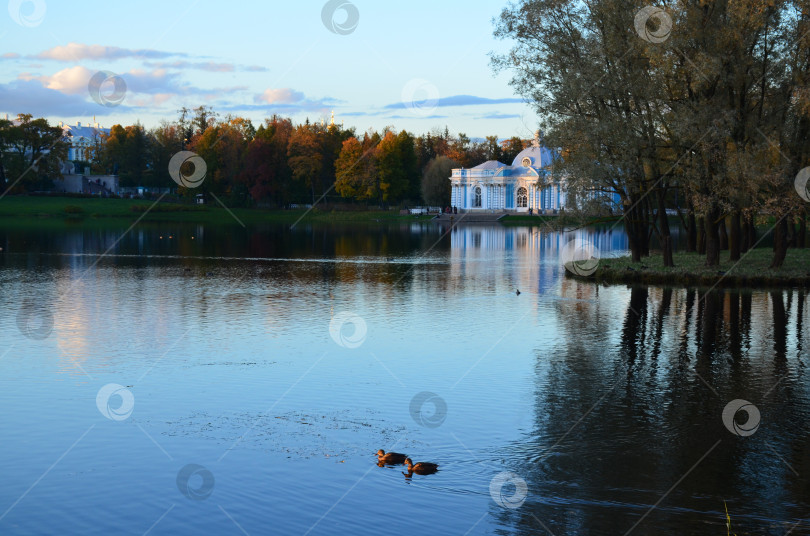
417 65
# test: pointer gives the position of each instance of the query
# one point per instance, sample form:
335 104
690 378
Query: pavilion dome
534 156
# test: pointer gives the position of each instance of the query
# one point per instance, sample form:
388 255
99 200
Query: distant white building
82 139
494 186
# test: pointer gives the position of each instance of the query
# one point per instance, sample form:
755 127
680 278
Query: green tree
409 162
34 152
436 181
204 118
223 147
165 141
356 176
492 149
391 169
127 153
6 135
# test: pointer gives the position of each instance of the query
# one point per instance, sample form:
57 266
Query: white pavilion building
497 187
82 139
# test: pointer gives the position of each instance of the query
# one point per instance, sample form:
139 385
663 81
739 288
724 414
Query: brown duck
393 458
421 468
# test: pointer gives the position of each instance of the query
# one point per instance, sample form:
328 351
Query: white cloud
280 96
74 52
70 81
209 66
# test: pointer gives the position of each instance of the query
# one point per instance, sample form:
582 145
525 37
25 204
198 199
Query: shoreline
751 272
95 211
52 210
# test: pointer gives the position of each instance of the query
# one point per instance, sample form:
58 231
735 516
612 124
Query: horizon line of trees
276 164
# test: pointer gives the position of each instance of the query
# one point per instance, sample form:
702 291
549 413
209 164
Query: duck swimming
421 468
391 457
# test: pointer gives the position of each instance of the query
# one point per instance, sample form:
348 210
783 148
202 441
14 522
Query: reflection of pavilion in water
528 257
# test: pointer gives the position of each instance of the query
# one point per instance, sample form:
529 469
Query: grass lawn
554 221
97 211
690 269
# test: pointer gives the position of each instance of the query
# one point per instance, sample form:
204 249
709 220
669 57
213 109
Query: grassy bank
13 209
690 270
555 221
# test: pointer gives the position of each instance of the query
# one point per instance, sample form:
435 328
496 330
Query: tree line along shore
697 106
275 164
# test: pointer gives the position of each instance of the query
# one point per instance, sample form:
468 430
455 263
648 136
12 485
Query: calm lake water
180 379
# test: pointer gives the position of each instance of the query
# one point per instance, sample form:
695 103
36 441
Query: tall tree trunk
734 237
663 224
701 235
721 227
710 223
631 226
801 241
691 231
744 244
644 226
752 232
780 243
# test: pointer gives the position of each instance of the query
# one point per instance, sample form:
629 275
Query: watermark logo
107 89
348 338
580 257
428 409
125 402
751 424
195 482
35 320
188 169
28 13
335 23
420 97
661 20
801 184
508 490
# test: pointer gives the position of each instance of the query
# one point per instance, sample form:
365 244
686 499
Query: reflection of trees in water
630 397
